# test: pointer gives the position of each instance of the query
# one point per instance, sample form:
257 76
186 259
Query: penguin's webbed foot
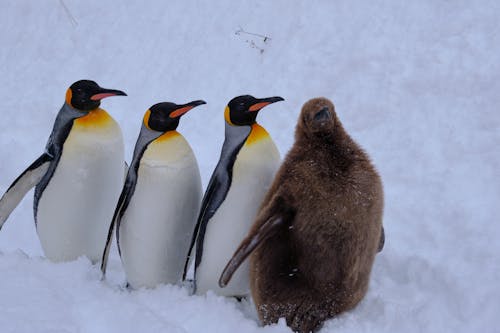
241 298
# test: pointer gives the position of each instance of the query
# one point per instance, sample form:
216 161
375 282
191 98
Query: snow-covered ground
417 83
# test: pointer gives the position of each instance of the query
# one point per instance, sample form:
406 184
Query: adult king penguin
156 212
78 178
248 162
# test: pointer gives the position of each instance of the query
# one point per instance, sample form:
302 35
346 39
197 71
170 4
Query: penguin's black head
163 117
242 110
86 95
318 116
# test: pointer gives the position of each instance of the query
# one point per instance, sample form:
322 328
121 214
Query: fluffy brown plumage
319 228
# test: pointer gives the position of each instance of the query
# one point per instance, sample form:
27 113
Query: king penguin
158 206
78 178
248 162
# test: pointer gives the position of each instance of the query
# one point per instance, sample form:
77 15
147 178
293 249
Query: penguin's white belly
157 227
76 207
253 172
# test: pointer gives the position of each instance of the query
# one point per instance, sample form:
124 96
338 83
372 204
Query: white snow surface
416 83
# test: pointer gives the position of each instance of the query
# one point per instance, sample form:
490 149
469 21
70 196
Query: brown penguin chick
320 225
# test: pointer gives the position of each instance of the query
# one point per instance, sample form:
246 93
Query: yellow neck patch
95 118
256 134
167 136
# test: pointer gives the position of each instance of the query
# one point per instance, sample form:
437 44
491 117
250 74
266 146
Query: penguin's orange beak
103 93
263 102
185 108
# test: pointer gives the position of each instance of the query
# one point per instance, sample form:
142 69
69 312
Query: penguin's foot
189 284
241 298
126 287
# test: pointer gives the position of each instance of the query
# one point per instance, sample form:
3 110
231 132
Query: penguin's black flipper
250 243
25 182
125 196
121 206
217 189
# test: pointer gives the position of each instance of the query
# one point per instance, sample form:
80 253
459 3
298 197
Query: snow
415 83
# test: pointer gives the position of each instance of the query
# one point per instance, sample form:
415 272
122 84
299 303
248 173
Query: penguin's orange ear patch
69 96
146 119
227 115
258 106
